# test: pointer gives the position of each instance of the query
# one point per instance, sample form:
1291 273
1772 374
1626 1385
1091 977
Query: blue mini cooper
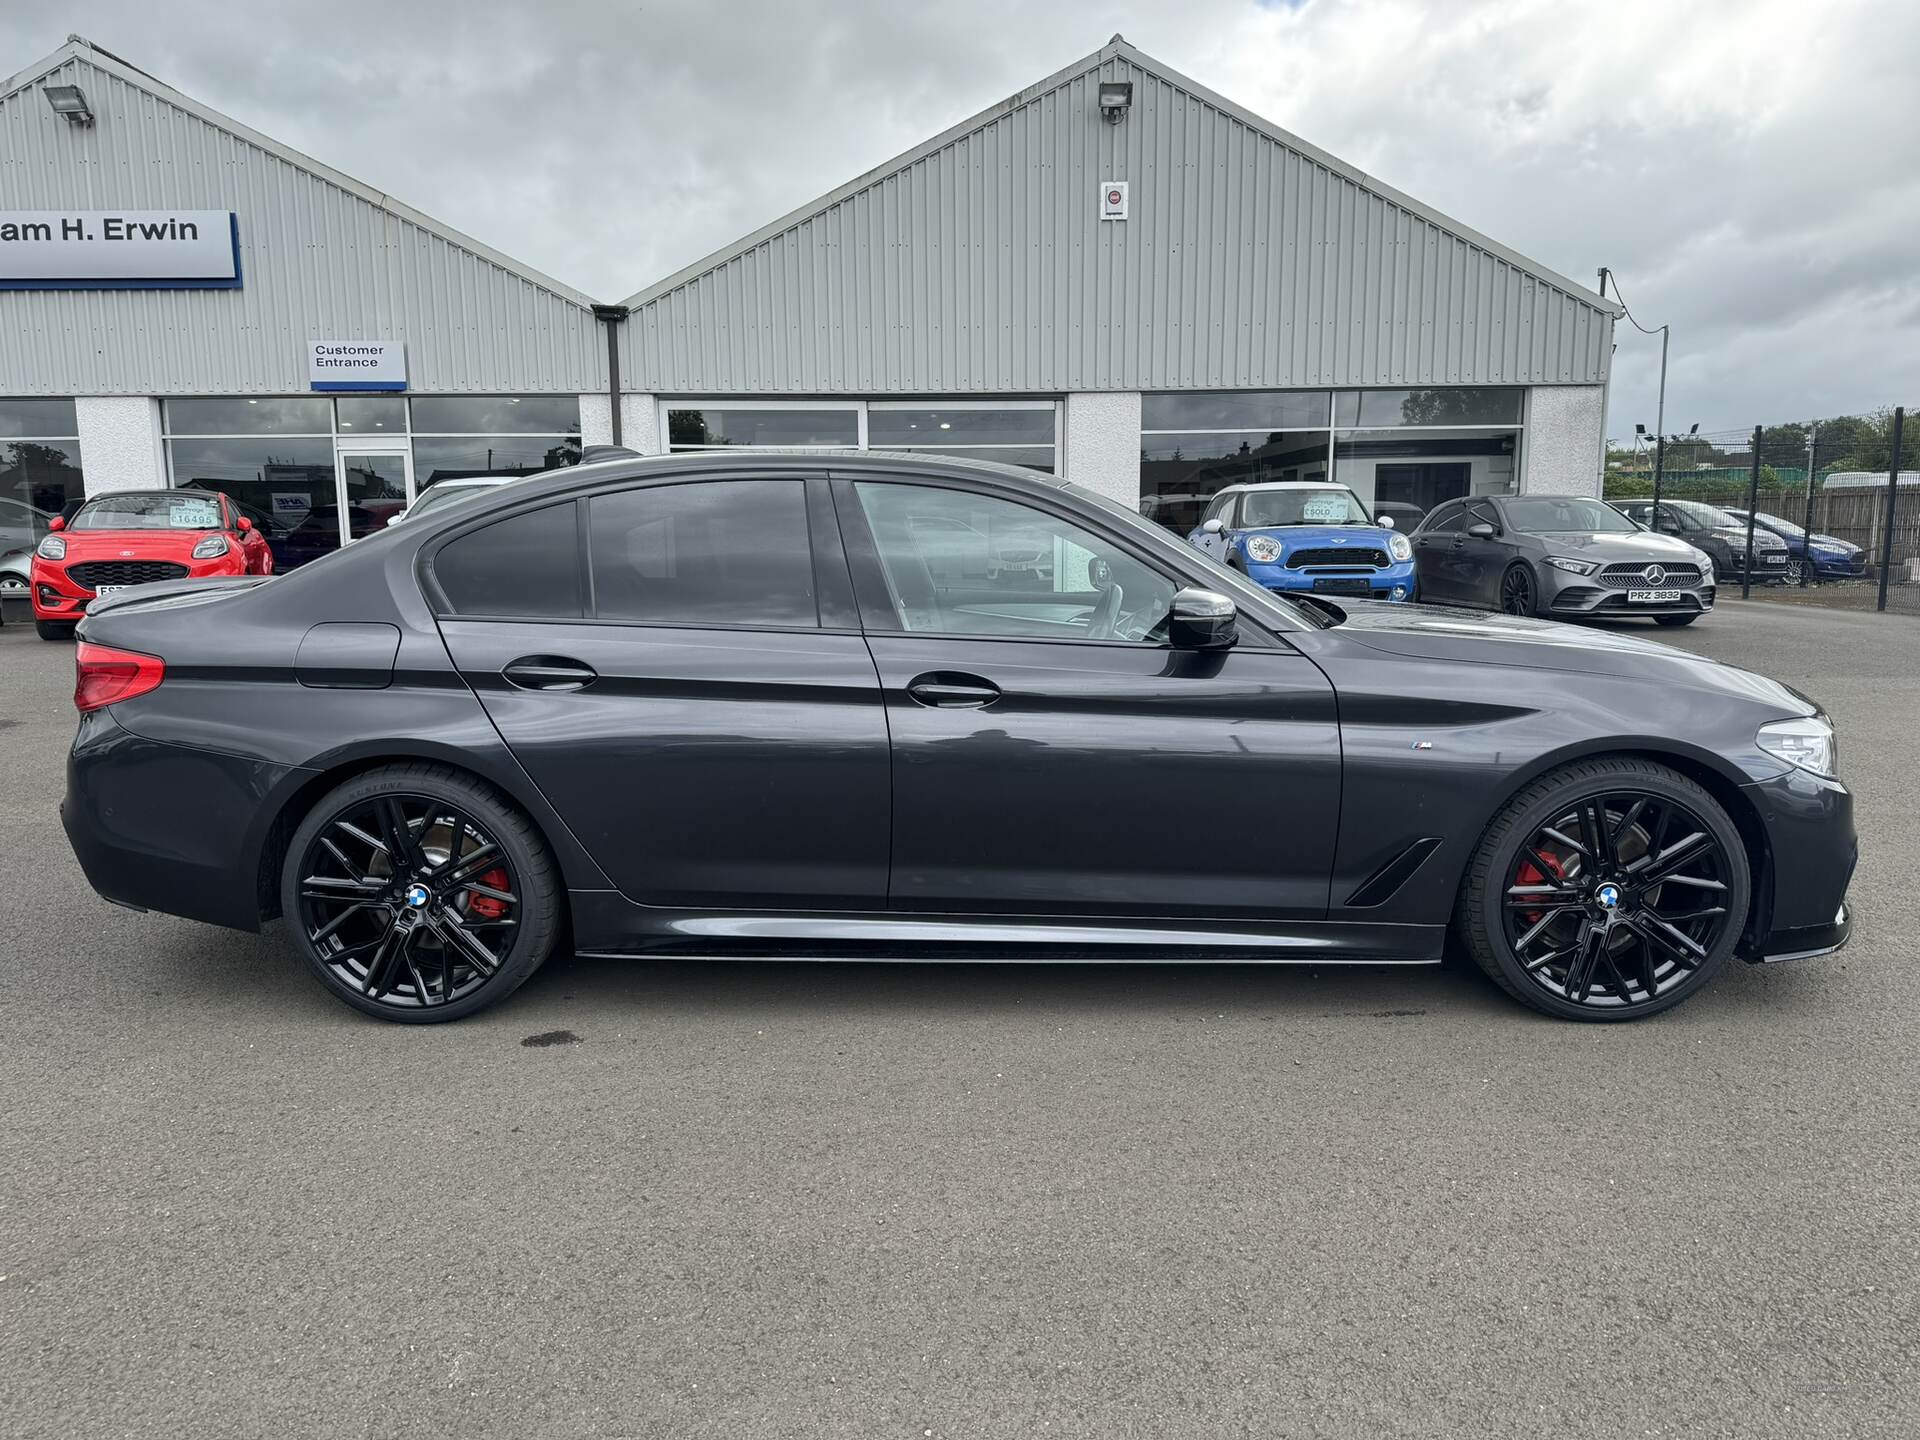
1307 535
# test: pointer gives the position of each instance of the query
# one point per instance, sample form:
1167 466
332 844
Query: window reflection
1179 474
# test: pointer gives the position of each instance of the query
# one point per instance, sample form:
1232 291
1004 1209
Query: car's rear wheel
1798 571
1607 890
1516 591
1676 619
416 893
53 629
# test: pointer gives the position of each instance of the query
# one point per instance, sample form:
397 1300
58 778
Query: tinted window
750 426
262 415
958 563
1235 410
38 417
1447 405
496 414
525 565
722 552
1564 515
1445 520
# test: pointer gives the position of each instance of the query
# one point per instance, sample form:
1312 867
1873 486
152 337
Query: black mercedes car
736 705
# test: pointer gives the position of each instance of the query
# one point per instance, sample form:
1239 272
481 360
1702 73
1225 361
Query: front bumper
1578 596
58 596
1841 567
1800 890
1396 582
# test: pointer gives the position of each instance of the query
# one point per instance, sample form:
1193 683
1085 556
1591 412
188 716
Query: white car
447 492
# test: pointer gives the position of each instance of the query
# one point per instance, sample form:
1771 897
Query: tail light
105 676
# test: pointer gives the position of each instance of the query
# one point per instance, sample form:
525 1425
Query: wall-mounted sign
357 365
1113 199
119 250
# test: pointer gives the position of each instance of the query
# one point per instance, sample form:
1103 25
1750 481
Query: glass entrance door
372 484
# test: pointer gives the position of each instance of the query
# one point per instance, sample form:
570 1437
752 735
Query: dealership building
1115 273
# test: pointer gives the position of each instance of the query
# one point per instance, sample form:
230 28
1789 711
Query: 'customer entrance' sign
357 365
119 250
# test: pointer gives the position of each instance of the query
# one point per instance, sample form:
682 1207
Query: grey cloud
1737 162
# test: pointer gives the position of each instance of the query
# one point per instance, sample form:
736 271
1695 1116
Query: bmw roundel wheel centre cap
417 896
1608 896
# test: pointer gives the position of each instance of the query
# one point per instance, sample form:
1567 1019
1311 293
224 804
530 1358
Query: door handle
549 672
952 690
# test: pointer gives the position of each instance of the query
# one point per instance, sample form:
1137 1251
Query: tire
418 980
1519 592
1486 906
53 629
1675 619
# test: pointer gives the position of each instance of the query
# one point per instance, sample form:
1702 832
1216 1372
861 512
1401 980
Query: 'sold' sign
119 249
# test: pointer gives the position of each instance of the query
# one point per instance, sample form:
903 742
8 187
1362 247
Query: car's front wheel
1606 890
416 893
1517 593
1798 571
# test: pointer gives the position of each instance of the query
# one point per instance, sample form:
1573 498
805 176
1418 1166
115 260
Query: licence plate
1774 559
1653 597
107 589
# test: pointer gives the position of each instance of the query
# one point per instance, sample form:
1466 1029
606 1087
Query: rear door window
722 552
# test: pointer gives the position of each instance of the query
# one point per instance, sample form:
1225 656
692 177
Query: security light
1639 429
1115 97
70 101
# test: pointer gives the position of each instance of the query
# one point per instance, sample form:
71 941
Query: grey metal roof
977 262
323 256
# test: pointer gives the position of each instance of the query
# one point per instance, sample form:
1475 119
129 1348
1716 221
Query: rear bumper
126 816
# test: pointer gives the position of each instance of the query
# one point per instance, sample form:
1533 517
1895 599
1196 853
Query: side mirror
396 519
1481 530
1202 620
1212 527
244 524
1385 521
58 522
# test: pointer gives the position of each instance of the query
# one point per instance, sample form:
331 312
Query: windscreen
1565 515
1705 516
1309 505
1785 527
180 510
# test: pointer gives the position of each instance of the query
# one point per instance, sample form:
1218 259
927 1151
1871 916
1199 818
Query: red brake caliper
485 906
1529 874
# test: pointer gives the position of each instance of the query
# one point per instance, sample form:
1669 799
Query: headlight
1399 547
1263 549
52 548
211 548
1573 567
1807 743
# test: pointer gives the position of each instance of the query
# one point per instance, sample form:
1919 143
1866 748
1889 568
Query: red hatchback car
134 536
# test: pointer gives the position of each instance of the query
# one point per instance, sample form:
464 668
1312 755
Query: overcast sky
1746 167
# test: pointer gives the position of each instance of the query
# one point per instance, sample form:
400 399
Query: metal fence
1844 495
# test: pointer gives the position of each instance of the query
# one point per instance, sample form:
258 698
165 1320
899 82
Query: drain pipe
610 316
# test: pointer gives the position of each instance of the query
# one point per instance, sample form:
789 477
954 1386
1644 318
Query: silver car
1560 556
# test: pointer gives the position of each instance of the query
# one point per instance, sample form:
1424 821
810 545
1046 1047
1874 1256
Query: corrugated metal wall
984 266
318 262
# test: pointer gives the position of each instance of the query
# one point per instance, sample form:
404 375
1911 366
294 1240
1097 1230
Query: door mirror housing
58 522
243 524
1212 527
1385 522
1481 530
1202 620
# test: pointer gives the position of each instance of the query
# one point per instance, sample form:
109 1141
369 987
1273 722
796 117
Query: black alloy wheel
1516 591
419 895
1609 890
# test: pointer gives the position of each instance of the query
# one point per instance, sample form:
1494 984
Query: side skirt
607 924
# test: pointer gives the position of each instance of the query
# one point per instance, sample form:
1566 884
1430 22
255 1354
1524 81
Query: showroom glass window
1401 451
960 563
39 472
1195 444
1012 432
275 454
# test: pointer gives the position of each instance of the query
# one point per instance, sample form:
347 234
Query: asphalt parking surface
786 1199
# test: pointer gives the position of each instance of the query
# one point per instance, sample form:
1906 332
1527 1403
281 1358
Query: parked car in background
448 492
1815 557
680 706
1709 528
133 537
1291 535
21 528
1558 555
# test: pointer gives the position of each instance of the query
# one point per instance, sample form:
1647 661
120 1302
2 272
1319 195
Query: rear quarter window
525 566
